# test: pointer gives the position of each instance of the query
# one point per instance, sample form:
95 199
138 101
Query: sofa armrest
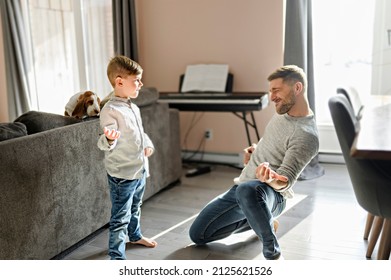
147 96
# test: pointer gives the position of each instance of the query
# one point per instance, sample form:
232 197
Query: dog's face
92 103
88 104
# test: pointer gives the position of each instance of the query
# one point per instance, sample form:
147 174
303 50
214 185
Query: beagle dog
83 104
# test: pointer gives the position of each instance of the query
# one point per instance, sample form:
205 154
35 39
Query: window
342 42
71 44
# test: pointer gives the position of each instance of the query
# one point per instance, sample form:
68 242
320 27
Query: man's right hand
247 153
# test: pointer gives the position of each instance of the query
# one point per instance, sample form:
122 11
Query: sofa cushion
41 121
147 96
12 130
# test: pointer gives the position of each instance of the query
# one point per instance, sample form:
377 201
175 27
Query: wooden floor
322 222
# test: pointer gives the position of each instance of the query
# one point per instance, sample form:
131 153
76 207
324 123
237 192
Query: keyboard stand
239 103
247 123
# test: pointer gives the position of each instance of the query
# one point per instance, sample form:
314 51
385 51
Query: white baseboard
331 158
220 158
237 159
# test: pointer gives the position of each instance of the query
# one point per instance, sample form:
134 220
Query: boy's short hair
290 74
122 66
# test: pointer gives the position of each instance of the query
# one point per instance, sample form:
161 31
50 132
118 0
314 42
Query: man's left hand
266 175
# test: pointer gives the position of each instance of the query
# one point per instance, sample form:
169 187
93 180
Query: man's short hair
290 74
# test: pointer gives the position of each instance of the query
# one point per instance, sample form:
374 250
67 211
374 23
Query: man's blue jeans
250 204
126 199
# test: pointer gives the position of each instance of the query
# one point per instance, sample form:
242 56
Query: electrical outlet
208 134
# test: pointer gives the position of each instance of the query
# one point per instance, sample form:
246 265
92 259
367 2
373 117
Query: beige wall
3 86
247 35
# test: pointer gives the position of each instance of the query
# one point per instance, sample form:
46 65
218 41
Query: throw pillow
41 121
12 130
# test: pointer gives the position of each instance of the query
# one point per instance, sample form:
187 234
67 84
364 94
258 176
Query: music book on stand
205 78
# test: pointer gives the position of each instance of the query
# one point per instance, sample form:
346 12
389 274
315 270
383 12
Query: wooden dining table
373 140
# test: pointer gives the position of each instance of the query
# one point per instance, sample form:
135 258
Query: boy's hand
148 151
111 134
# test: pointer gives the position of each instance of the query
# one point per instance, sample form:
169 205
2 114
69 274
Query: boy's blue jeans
126 199
250 204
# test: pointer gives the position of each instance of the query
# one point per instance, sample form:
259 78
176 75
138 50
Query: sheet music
205 77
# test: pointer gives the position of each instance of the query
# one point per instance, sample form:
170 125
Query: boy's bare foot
275 225
147 242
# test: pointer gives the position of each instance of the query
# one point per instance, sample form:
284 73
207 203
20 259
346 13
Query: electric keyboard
216 102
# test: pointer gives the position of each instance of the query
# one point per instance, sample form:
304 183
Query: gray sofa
53 187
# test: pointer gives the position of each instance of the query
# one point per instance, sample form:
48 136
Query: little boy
127 149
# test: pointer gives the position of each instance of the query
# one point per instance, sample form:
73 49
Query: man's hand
247 153
266 175
111 134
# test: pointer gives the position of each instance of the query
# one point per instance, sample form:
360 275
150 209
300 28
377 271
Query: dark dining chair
374 224
371 179
353 98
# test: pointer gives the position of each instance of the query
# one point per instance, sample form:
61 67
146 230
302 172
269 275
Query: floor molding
237 159
331 158
207 157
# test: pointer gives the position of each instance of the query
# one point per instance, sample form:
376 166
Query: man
271 169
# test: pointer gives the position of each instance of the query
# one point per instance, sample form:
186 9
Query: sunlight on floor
242 236
292 202
174 227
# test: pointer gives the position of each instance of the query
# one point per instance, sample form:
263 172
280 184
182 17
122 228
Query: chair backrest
353 98
371 179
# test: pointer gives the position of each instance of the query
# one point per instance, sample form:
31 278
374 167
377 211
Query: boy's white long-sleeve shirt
125 158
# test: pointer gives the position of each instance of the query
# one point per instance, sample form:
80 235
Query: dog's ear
87 94
79 110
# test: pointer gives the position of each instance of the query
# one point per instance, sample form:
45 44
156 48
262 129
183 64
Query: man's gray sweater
288 144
